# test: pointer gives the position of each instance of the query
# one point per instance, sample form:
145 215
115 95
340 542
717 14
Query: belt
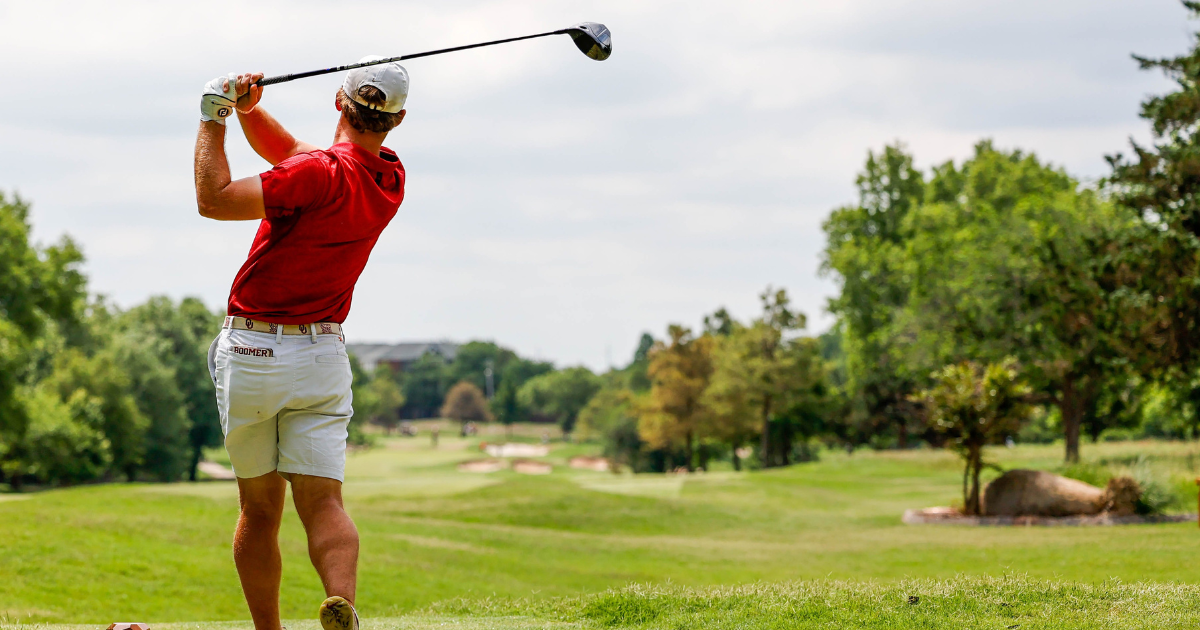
319 328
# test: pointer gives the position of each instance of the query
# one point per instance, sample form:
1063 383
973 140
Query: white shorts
284 405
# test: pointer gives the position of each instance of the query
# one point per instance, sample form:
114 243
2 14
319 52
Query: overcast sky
558 205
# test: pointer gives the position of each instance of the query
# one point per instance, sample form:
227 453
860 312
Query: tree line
523 389
89 391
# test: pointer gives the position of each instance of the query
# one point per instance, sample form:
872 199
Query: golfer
280 366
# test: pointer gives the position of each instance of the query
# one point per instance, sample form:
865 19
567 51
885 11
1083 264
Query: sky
557 205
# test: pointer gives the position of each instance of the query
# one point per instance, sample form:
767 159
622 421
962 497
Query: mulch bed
950 516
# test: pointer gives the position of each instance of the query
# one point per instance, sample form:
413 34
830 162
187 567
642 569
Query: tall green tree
474 358
1011 257
560 395
1159 262
424 384
764 380
42 292
611 418
102 382
181 333
865 255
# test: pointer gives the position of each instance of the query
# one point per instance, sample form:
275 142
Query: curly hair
364 118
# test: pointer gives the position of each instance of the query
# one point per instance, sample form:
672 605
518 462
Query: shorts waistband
319 328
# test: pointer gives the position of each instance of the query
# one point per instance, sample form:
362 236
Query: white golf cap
390 78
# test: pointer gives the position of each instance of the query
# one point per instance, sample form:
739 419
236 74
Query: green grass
548 548
1004 602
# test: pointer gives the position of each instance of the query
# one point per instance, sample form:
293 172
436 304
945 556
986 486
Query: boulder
1039 493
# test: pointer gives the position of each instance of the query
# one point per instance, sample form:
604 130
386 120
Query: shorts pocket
333 359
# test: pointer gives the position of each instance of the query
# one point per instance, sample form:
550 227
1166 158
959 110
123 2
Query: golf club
591 38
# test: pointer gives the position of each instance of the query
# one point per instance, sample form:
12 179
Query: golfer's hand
219 98
248 95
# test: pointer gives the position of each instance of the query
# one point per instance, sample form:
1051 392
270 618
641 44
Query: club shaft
312 73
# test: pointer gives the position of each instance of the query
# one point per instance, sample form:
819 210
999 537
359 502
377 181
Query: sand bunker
481 466
530 467
585 462
516 449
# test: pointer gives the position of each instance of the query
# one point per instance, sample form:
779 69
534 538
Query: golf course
814 544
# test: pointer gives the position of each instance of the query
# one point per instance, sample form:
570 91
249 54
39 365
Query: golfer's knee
315 495
318 505
262 513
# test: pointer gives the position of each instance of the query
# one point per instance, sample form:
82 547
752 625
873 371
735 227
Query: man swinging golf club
280 366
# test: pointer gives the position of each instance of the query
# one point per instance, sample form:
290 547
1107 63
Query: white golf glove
216 104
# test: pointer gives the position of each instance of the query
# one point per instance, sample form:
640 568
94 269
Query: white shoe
338 614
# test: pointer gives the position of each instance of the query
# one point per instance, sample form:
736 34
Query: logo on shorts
229 322
249 324
326 329
274 327
251 351
303 329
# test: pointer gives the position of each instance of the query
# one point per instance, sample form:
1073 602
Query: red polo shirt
325 210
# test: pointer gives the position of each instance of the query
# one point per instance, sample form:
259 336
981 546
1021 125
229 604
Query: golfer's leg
256 546
332 537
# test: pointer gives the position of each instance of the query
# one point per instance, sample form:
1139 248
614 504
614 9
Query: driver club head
593 39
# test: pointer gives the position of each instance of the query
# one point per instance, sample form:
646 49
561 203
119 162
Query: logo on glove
223 112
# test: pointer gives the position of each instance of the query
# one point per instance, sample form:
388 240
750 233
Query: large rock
1039 493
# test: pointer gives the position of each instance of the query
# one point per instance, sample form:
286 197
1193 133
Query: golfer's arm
268 138
217 197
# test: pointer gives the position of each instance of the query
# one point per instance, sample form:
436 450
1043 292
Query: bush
1118 435
1156 496
64 443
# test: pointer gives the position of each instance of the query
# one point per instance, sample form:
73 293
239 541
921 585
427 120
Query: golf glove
217 104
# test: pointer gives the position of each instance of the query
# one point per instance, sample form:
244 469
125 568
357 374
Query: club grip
273 80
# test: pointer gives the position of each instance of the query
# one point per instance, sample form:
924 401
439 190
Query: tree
388 397
512 375
42 295
638 369
866 255
181 334
1159 261
560 395
101 382
1011 257
424 385
974 405
673 414
465 403
154 385
610 417
763 382
473 359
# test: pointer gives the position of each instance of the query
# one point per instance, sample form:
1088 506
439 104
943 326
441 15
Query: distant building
400 356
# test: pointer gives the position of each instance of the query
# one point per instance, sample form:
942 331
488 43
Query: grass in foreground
1006 602
162 552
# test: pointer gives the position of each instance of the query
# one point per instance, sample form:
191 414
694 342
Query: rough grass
161 552
1003 602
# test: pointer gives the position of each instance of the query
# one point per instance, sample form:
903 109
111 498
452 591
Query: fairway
432 534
